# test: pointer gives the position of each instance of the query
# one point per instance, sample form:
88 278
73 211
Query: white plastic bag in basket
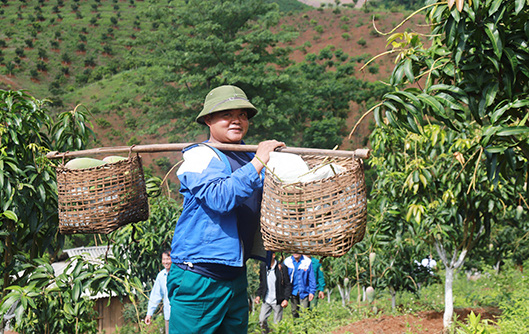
287 166
322 172
290 168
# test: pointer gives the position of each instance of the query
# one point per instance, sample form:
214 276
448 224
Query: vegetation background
141 69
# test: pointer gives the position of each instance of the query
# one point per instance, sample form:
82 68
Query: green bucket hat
225 98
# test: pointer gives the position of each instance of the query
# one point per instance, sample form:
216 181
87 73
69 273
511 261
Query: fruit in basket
82 163
113 158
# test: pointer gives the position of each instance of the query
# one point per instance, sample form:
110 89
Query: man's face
228 126
296 256
166 261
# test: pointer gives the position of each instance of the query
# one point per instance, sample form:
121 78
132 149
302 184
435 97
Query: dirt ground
430 322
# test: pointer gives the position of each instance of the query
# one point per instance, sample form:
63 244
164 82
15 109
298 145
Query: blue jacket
158 294
207 231
303 280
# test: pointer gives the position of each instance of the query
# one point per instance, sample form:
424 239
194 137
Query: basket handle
130 150
63 158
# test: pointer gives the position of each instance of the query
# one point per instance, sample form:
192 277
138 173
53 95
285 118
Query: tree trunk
364 297
342 294
393 294
329 292
496 267
449 298
451 265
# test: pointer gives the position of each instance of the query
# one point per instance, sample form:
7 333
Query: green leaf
377 116
76 292
494 7
437 107
519 5
10 215
408 70
511 56
513 131
494 36
489 93
496 149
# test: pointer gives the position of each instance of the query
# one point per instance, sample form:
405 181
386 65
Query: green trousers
201 304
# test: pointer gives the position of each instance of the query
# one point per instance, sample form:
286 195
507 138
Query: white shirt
271 297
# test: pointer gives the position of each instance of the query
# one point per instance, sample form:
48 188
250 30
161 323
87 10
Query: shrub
41 66
361 42
131 122
19 52
133 141
103 123
164 164
34 73
346 36
373 69
319 29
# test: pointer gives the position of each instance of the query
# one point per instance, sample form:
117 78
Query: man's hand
262 155
321 295
311 297
284 303
148 320
257 299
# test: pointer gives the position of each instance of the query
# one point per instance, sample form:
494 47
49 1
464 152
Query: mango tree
40 301
28 194
424 181
473 79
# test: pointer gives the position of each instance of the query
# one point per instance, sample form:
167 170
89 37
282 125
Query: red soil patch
358 25
422 322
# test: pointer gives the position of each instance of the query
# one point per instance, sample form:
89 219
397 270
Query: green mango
82 163
113 158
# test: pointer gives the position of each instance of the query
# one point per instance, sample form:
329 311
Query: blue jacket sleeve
312 280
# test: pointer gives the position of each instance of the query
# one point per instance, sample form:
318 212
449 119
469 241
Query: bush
103 123
133 141
361 42
131 123
373 69
164 164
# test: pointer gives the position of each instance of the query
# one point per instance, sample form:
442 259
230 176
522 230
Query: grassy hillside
97 53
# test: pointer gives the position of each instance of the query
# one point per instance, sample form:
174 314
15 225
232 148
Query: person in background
215 233
159 293
303 282
320 281
274 289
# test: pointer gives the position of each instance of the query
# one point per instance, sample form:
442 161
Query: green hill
120 60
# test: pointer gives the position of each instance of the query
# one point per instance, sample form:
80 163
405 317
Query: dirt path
423 322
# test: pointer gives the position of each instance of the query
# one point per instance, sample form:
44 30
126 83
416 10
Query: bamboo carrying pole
153 148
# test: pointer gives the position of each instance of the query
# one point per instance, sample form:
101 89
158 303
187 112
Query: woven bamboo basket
325 217
101 199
